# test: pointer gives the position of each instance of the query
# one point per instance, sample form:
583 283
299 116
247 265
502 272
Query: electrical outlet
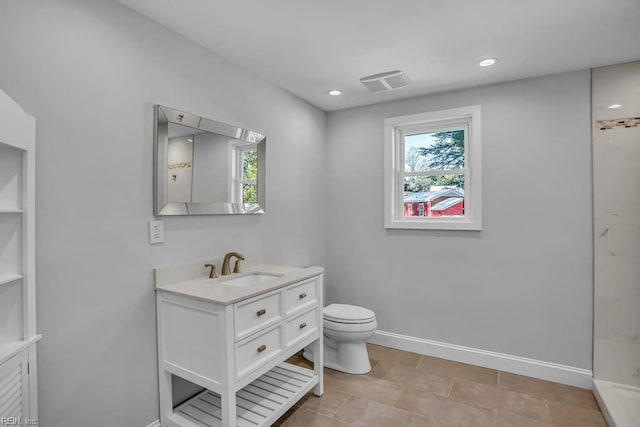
156 232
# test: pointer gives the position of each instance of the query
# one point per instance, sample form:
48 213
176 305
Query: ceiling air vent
385 81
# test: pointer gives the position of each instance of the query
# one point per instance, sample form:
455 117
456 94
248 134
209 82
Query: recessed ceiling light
614 106
487 62
334 92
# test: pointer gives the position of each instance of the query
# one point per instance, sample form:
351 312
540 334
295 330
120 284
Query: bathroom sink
249 280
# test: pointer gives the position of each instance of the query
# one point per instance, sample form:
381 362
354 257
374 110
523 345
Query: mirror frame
162 207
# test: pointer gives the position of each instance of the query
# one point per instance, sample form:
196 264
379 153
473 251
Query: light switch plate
156 232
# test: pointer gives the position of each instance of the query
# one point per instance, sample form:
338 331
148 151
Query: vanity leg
166 404
318 345
164 378
228 394
318 363
228 404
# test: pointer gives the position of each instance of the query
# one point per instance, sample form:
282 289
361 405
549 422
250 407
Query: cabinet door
14 388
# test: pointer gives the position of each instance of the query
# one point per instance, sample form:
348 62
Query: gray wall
90 72
523 285
211 168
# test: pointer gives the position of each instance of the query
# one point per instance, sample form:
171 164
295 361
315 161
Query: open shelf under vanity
259 403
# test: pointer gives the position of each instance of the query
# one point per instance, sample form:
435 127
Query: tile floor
407 389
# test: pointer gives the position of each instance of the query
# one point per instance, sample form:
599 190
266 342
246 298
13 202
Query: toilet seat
348 314
349 328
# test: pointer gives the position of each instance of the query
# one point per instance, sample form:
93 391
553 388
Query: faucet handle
236 268
212 274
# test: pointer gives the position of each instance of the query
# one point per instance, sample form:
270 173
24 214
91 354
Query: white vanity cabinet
234 342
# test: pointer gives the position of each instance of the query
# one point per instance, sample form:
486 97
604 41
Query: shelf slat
260 403
2 210
7 351
9 279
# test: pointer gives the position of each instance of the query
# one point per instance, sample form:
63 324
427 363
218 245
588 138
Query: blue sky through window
419 140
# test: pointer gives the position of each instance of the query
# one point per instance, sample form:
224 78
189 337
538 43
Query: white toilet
346 331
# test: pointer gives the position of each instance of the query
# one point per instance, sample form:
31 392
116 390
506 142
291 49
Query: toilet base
348 357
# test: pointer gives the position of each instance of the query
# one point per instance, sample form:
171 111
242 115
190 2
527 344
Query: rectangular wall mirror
205 167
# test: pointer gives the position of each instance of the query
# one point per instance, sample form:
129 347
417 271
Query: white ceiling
308 47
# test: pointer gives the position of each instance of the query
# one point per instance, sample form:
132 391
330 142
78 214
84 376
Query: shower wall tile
623 238
615 168
616 199
617 320
617 362
621 274
623 320
617 234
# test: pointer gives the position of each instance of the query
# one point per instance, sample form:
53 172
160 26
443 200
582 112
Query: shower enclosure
616 204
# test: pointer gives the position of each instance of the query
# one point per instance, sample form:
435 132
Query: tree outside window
249 176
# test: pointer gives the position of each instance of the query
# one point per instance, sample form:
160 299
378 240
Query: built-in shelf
7 351
9 279
18 337
260 403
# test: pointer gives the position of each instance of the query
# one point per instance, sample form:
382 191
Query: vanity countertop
213 290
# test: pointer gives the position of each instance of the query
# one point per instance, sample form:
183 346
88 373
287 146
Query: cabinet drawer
300 327
301 296
257 313
255 351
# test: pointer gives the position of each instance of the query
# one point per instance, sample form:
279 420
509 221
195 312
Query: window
432 170
244 172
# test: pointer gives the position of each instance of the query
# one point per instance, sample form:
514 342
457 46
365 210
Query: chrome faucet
225 263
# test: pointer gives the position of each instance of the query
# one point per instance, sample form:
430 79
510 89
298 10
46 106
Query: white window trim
394 164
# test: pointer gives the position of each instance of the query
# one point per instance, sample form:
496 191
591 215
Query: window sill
422 224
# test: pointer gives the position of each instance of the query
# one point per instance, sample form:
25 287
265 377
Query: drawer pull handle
262 348
303 325
303 295
261 312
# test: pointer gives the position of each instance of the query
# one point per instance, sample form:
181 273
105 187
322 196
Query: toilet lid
344 313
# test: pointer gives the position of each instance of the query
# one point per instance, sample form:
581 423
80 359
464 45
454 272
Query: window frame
394 168
236 178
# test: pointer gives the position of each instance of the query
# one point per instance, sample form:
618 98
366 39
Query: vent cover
11 384
385 81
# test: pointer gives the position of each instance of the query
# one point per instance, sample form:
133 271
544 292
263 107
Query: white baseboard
503 362
156 423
